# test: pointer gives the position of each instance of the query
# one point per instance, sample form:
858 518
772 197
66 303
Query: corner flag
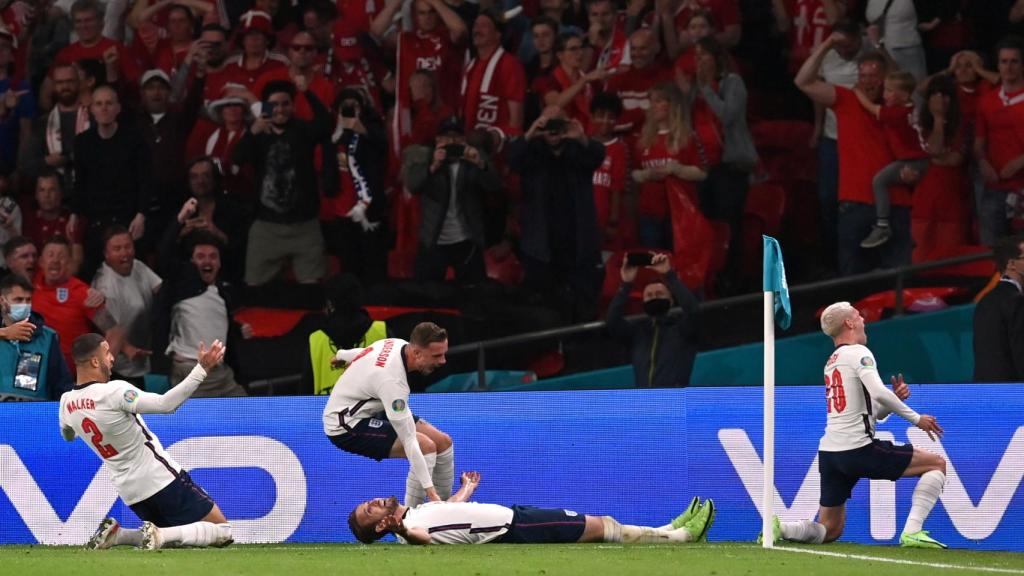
775 281
776 309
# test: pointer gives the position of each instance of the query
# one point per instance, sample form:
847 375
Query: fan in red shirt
229 114
724 14
999 141
436 43
348 65
607 35
610 178
164 32
61 299
256 34
973 82
697 28
360 12
633 84
667 149
91 45
807 23
49 219
302 62
494 83
862 153
567 86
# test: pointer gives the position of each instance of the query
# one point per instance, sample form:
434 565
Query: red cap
255 21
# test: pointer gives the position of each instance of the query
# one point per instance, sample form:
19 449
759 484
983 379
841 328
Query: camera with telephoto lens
454 152
556 126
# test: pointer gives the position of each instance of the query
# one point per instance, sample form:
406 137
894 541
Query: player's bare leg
414 493
213 530
932 470
443 473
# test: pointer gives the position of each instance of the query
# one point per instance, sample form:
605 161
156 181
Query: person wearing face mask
32 368
662 346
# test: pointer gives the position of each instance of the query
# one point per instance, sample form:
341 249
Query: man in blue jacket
31 364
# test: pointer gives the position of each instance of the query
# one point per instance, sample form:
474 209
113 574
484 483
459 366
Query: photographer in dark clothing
663 346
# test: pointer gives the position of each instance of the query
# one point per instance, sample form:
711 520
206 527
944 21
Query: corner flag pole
768 483
776 308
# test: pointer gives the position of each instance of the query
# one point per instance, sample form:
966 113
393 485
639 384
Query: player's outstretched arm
148 403
470 481
343 357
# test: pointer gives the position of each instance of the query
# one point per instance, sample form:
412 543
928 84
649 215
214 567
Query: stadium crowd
162 160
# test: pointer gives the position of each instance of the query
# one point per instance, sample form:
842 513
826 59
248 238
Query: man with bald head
646 70
112 176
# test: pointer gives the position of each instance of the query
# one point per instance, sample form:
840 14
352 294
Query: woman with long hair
941 214
668 148
724 95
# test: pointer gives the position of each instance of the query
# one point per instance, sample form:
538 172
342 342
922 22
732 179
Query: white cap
155 73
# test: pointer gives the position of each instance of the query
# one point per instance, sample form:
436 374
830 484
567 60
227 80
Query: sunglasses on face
303 47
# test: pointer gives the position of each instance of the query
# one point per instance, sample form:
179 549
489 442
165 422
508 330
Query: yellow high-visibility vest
322 350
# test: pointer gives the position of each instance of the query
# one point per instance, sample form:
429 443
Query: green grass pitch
719 559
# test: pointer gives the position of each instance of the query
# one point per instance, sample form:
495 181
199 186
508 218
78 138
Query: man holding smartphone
662 346
453 180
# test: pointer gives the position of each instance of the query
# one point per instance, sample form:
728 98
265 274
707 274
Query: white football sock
444 473
629 534
199 534
926 493
128 537
806 531
414 493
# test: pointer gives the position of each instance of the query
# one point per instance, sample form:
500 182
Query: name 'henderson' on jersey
856 398
376 380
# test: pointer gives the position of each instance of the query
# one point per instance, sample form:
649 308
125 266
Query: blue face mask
21 311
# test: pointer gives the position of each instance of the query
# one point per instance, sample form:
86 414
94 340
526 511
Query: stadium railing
898 276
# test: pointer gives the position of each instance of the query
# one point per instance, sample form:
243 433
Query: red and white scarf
54 144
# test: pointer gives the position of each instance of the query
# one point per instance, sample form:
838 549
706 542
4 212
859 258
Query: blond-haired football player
855 399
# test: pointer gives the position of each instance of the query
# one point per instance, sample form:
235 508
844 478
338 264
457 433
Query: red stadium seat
784 151
507 271
873 307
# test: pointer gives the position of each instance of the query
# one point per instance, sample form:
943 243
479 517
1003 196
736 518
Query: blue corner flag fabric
775 281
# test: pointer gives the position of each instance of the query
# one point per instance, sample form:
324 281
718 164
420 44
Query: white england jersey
459 522
855 399
103 415
375 381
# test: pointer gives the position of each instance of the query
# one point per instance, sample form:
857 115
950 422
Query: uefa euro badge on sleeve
398 405
26 376
62 295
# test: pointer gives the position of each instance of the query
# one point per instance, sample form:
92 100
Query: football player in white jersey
107 416
855 398
459 521
368 411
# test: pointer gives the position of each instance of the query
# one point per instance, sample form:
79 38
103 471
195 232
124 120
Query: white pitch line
900 561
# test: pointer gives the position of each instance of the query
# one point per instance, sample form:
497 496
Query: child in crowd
903 136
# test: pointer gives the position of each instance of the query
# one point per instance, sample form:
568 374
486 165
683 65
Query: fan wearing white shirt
107 416
855 399
129 287
459 521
